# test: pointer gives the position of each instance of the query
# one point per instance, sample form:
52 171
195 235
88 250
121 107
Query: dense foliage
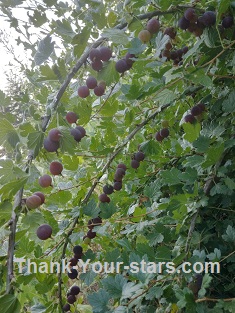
118 146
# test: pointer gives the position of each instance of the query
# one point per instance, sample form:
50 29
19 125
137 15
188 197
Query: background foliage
177 206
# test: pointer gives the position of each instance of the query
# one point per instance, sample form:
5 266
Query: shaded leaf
99 301
9 303
45 49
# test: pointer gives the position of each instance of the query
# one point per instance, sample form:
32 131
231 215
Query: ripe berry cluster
117 184
171 32
78 253
38 198
35 200
52 142
91 83
74 290
136 159
98 55
44 231
71 297
174 55
118 176
163 133
97 221
152 27
125 63
195 112
78 132
55 168
194 24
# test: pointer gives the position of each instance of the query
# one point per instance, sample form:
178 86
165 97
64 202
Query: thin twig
214 300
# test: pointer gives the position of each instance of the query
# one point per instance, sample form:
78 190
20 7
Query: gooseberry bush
118 146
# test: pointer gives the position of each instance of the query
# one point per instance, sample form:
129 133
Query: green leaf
115 285
201 144
200 77
230 234
38 308
80 41
88 277
138 211
125 244
193 161
99 301
110 107
161 41
130 289
4 233
230 183
164 97
47 74
136 46
91 209
47 284
61 197
85 110
154 292
220 189
67 142
152 190
6 130
64 28
50 3
5 211
38 18
171 177
45 49
107 210
111 19
9 303
35 141
155 237
214 256
25 247
9 172
32 220
4 100
213 154
210 37
150 147
99 16
11 3
117 36
135 25
228 104
192 131
108 73
222 8
10 189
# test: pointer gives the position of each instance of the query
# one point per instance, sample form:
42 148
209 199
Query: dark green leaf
9 303
91 209
99 301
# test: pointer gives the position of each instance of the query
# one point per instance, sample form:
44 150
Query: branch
214 300
11 244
